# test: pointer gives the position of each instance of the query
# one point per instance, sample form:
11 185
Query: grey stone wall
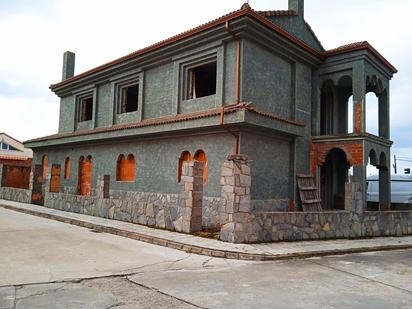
161 210
285 226
14 194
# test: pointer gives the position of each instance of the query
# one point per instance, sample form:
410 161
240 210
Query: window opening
86 109
202 81
184 157
125 170
67 168
129 99
201 156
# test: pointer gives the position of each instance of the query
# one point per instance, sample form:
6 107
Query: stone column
236 182
192 179
1 174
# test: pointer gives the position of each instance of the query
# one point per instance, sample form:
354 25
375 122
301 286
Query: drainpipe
222 114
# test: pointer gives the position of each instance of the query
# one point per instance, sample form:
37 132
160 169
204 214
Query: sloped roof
359 46
246 10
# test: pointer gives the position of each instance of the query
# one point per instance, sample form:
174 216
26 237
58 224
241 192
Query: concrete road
48 264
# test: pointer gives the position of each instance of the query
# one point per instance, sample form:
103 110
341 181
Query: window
85 112
129 99
125 170
201 156
67 168
184 157
4 146
201 80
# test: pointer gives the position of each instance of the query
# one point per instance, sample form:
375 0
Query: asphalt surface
48 264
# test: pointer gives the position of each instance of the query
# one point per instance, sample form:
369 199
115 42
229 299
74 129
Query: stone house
210 129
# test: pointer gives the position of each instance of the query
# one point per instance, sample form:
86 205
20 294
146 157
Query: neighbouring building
213 128
15 168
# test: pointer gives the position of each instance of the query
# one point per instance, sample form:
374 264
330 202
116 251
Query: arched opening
372 184
125 169
334 106
67 168
184 157
327 108
350 114
201 156
85 176
44 163
334 174
372 113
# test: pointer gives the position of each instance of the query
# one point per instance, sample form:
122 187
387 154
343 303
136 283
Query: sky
34 35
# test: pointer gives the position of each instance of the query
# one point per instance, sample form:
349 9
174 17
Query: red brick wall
16 177
319 151
358 117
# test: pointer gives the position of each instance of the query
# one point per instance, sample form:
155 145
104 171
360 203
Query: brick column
236 182
192 179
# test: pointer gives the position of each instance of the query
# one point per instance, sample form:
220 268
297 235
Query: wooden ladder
308 193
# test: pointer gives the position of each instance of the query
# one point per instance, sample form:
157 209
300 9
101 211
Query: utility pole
394 164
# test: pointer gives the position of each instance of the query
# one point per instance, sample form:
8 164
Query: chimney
298 6
68 65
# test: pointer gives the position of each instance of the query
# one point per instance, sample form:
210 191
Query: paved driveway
48 264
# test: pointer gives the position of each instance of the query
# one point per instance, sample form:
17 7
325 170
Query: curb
204 250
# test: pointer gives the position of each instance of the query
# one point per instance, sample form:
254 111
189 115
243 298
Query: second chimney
298 6
68 65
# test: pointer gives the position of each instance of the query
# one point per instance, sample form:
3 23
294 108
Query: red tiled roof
277 13
245 10
168 120
17 158
358 46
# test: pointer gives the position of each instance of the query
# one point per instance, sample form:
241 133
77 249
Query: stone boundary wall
287 226
14 194
211 209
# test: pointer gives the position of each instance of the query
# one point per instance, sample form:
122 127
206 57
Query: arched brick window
44 163
125 170
67 168
201 156
85 175
185 156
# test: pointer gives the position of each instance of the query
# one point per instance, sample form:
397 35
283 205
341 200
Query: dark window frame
189 78
85 108
123 107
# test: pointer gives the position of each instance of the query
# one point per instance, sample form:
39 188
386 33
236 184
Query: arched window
125 170
44 163
184 157
201 156
67 168
85 176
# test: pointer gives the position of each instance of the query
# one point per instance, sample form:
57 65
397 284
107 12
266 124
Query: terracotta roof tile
358 46
246 10
168 120
134 125
14 158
